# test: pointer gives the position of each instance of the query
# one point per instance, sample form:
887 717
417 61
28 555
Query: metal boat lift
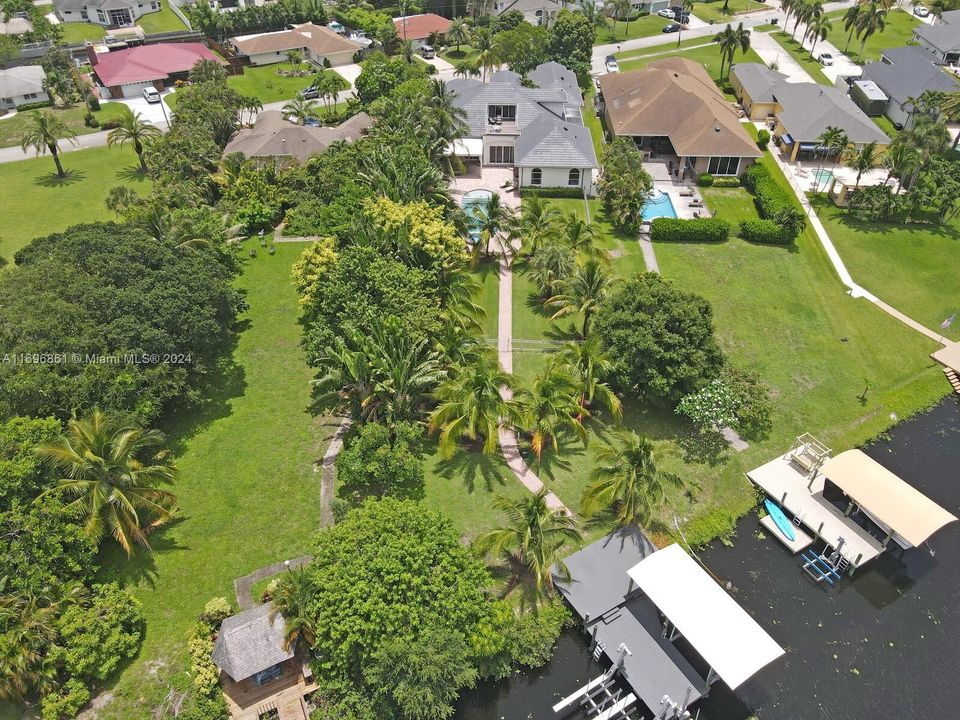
601 698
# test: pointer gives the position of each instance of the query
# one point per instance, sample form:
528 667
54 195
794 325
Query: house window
504 112
83 14
100 16
501 154
120 17
724 165
539 16
536 176
573 178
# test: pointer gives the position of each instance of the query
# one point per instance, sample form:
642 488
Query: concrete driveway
151 112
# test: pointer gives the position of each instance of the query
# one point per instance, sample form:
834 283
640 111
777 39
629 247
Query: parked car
427 52
310 93
361 38
612 64
682 18
151 95
666 13
921 11
826 59
671 28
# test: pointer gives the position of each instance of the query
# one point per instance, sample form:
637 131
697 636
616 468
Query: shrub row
552 192
698 230
707 180
763 139
763 231
34 105
773 202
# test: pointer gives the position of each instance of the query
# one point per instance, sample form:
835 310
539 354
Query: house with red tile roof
419 28
125 73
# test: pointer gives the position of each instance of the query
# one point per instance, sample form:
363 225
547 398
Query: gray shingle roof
944 35
758 80
910 72
809 109
21 80
250 642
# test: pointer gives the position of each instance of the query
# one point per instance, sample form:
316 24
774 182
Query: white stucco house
538 131
109 13
535 12
22 85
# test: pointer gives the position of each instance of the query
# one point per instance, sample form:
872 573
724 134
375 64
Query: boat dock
800 542
801 498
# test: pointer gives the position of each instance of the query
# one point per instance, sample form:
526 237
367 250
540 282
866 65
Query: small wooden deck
248 701
801 539
802 498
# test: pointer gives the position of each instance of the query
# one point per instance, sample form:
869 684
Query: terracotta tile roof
420 27
319 39
676 98
149 62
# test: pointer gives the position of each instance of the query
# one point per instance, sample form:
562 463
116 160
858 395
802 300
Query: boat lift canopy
887 498
731 641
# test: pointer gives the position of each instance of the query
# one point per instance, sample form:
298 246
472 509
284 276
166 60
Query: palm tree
458 291
873 19
851 21
818 28
115 490
487 56
470 404
295 57
687 7
950 110
581 237
730 41
28 629
292 600
800 10
537 222
300 109
553 263
831 141
591 365
592 12
329 85
530 540
549 408
405 369
407 50
788 7
133 129
493 217
626 478
464 69
901 159
861 159
621 9
43 133
582 293
458 32
346 383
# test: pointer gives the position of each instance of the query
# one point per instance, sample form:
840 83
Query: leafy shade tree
471 405
113 487
135 130
571 41
623 185
549 408
729 41
382 460
393 572
530 541
626 479
583 292
660 338
379 75
522 48
43 133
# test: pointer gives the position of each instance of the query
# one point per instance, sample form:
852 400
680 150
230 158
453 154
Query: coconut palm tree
627 479
687 7
817 29
292 600
537 222
788 7
115 489
591 365
295 58
950 111
800 10
487 56
458 290
329 85
135 130
43 133
593 13
873 19
831 142
901 159
553 263
471 406
730 41
861 159
581 237
530 541
550 407
459 32
465 68
851 21
492 217
300 109
582 293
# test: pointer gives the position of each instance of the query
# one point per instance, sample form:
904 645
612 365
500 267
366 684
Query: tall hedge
697 230
773 202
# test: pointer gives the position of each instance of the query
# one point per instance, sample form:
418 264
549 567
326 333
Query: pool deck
802 499
662 180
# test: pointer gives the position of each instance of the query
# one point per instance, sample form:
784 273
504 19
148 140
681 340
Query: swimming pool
658 204
471 200
822 178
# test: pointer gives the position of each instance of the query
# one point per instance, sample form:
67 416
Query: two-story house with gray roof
538 131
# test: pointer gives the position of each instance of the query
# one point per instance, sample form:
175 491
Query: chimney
91 54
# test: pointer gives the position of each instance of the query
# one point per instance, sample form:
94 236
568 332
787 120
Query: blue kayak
779 519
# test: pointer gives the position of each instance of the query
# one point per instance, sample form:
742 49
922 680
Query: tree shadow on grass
553 462
52 180
471 466
132 173
140 568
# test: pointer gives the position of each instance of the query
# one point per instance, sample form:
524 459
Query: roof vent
716 128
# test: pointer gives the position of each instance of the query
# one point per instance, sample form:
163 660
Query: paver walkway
649 256
244 584
328 472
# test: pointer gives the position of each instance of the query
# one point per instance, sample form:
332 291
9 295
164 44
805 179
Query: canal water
885 644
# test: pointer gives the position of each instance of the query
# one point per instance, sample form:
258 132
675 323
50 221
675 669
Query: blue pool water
474 199
822 178
658 205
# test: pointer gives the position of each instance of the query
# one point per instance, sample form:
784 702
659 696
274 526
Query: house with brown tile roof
274 139
316 42
673 110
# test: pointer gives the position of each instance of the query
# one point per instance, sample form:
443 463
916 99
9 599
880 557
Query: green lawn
12 128
453 55
712 12
248 492
898 31
263 82
592 122
488 274
38 203
707 55
913 267
799 53
163 21
641 27
74 32
664 49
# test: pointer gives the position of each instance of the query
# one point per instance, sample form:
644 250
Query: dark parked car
671 28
